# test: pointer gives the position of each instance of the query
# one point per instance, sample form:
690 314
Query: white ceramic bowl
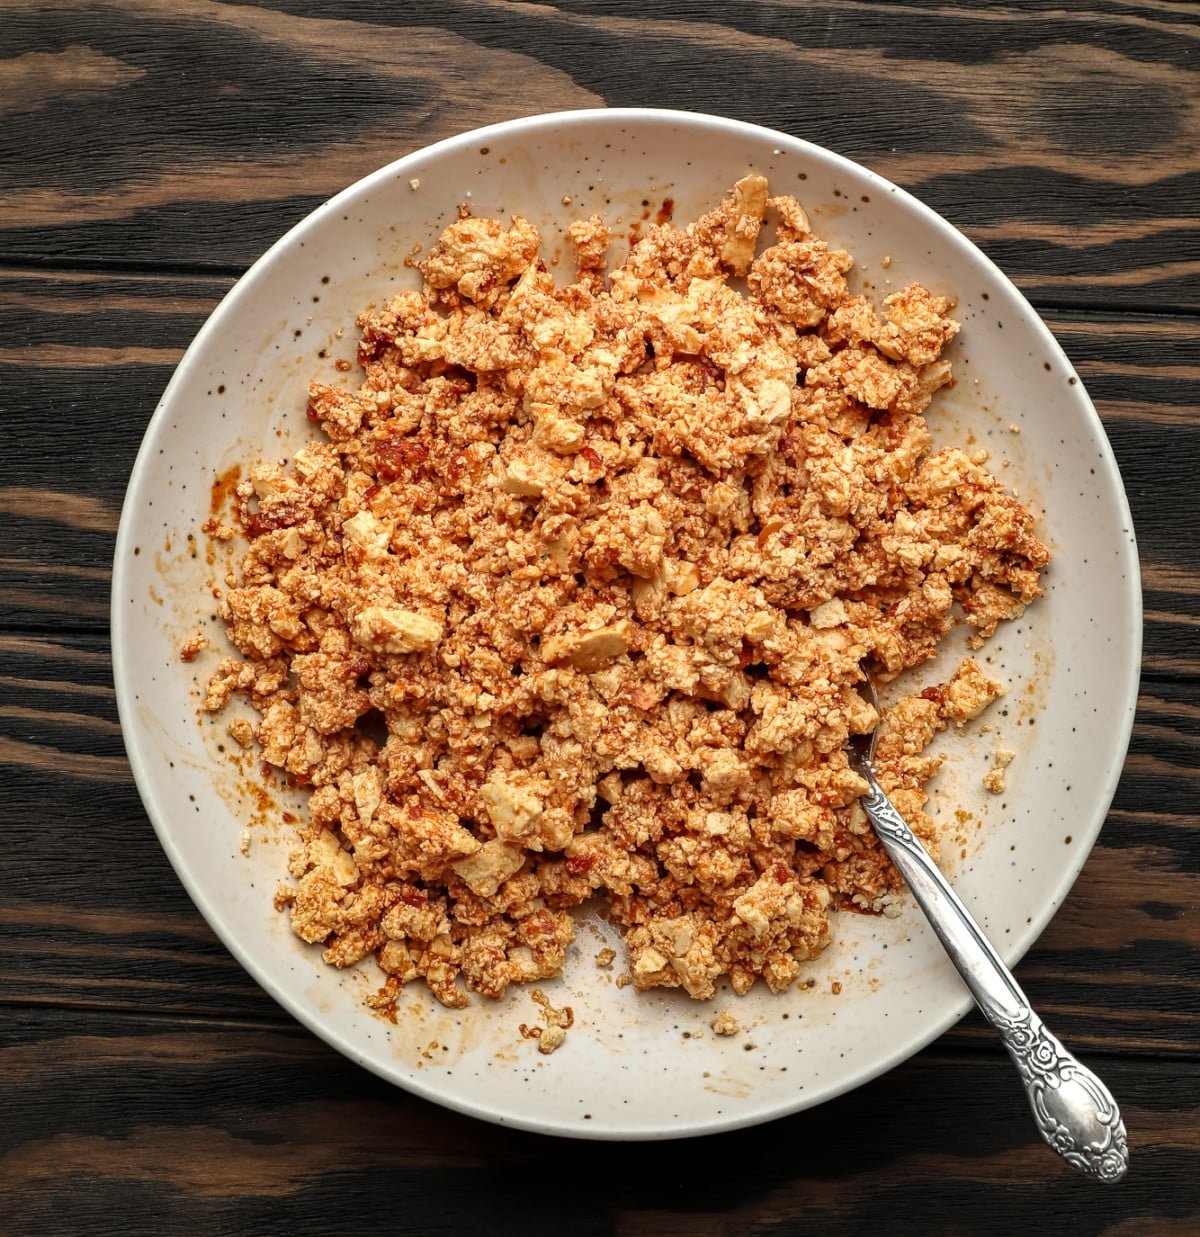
640 1066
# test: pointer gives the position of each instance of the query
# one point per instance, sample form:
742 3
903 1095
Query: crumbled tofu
490 866
725 1023
389 630
649 962
192 647
589 240
598 647
523 477
555 1024
994 778
514 810
742 227
969 692
552 1037
371 535
557 432
589 650
476 259
571 597
829 614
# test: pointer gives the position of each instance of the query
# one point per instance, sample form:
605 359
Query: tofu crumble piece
552 1034
995 778
569 599
193 646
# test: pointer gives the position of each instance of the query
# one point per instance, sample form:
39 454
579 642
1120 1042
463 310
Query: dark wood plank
83 361
1064 142
199 1127
94 917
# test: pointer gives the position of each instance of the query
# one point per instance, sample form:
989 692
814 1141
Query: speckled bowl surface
638 1066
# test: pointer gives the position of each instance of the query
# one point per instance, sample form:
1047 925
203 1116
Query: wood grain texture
1066 144
272 1132
151 149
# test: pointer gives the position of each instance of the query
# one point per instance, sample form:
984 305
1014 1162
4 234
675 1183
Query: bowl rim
1012 950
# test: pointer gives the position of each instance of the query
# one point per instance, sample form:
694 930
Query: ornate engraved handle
1074 1110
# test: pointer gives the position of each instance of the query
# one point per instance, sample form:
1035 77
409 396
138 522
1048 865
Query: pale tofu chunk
388 629
490 866
969 692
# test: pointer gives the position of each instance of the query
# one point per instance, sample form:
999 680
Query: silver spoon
1075 1112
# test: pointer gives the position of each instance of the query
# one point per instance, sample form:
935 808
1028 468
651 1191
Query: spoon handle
1074 1110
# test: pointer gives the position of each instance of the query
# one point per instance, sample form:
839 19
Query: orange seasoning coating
570 598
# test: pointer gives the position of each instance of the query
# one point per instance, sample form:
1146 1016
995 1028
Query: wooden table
148 152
